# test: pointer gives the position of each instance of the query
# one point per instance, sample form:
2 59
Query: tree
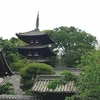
30 71
65 77
88 82
6 89
71 39
9 48
71 59
17 41
20 63
10 51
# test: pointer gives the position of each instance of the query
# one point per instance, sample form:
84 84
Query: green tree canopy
9 51
30 71
71 59
65 77
71 39
88 82
9 48
6 88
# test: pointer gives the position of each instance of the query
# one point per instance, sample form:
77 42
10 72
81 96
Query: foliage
71 59
9 50
20 63
55 61
6 89
17 41
13 58
70 40
30 71
88 82
65 77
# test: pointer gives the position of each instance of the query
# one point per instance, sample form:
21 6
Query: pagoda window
37 42
29 54
31 42
36 54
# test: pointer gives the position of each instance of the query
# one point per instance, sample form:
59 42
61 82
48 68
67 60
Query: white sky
20 15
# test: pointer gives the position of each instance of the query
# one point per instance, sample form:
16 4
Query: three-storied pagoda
36 48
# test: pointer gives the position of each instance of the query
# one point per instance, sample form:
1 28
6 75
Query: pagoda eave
32 47
32 33
44 38
4 68
43 51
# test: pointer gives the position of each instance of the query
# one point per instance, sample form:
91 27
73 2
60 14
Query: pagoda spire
37 21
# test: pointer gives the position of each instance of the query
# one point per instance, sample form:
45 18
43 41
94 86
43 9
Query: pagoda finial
37 21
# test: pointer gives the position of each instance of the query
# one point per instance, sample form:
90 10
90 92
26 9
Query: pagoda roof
40 60
43 50
32 33
4 68
32 47
35 34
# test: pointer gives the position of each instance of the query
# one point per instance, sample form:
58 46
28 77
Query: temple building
36 48
41 90
4 68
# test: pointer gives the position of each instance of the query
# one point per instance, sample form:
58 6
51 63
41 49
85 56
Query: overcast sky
20 15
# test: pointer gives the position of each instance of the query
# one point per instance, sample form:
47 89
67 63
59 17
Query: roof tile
41 86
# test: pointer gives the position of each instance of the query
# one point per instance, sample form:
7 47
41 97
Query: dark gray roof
43 50
17 97
39 60
32 47
35 34
4 68
31 33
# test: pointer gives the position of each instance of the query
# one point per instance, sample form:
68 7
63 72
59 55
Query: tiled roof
34 34
17 97
31 33
40 86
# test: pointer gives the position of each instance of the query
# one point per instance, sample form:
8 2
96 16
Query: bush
30 71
